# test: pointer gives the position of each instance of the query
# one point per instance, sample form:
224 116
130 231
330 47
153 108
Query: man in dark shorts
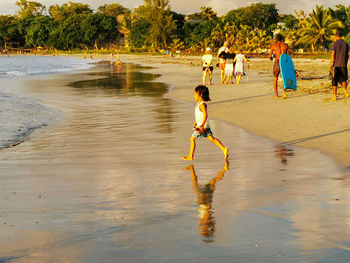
278 48
339 60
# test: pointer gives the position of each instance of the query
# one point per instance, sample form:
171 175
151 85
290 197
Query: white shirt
207 60
200 117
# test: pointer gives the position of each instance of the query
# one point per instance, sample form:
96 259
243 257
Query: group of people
231 64
337 68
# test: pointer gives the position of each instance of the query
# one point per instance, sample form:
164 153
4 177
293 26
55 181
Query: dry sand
307 118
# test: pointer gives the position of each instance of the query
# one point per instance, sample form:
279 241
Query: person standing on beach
222 59
277 49
339 60
207 63
230 66
239 67
201 125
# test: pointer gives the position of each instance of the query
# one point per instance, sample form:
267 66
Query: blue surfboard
288 72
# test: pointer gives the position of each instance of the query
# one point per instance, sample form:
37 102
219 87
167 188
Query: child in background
201 125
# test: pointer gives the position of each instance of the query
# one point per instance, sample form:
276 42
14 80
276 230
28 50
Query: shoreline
307 118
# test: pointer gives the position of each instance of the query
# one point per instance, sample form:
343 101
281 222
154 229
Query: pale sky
187 7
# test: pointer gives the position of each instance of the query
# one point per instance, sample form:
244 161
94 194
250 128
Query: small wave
19 117
19 66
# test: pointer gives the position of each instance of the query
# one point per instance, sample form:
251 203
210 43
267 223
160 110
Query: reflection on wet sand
205 194
283 153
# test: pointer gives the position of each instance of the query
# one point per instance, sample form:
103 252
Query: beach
308 118
105 182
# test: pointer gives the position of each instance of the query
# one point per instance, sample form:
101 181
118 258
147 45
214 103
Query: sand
308 118
89 189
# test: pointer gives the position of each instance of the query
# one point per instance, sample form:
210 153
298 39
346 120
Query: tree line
154 26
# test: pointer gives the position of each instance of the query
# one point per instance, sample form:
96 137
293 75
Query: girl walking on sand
201 125
239 68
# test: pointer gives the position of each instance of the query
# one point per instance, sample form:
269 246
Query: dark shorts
340 75
211 68
206 133
276 68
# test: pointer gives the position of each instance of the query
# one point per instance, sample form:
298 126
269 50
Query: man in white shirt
222 59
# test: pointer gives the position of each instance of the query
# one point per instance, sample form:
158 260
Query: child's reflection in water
205 194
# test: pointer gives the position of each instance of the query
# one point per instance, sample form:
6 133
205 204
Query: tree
259 16
158 14
29 8
261 40
98 29
177 44
39 30
139 31
8 29
60 13
113 10
317 29
208 13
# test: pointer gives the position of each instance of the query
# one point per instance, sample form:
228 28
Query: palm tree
244 38
177 44
208 13
202 45
224 31
261 40
318 28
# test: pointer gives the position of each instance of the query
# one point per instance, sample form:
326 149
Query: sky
188 7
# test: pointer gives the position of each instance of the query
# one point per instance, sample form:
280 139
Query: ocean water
20 116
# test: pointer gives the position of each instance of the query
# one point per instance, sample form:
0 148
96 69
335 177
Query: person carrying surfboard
277 49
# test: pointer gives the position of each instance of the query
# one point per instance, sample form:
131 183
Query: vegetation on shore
154 27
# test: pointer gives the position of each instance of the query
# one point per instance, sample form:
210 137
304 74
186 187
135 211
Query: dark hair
203 91
339 33
279 37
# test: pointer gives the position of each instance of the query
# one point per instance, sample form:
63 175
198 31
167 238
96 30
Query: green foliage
8 29
317 29
259 16
139 31
29 8
39 30
113 10
98 29
154 26
207 13
60 13
157 13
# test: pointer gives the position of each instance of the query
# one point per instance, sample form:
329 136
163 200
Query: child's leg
210 77
204 76
192 148
238 79
220 145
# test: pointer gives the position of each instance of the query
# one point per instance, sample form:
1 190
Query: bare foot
187 158
334 98
226 153
276 96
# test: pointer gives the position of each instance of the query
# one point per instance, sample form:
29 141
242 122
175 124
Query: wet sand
106 183
307 118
